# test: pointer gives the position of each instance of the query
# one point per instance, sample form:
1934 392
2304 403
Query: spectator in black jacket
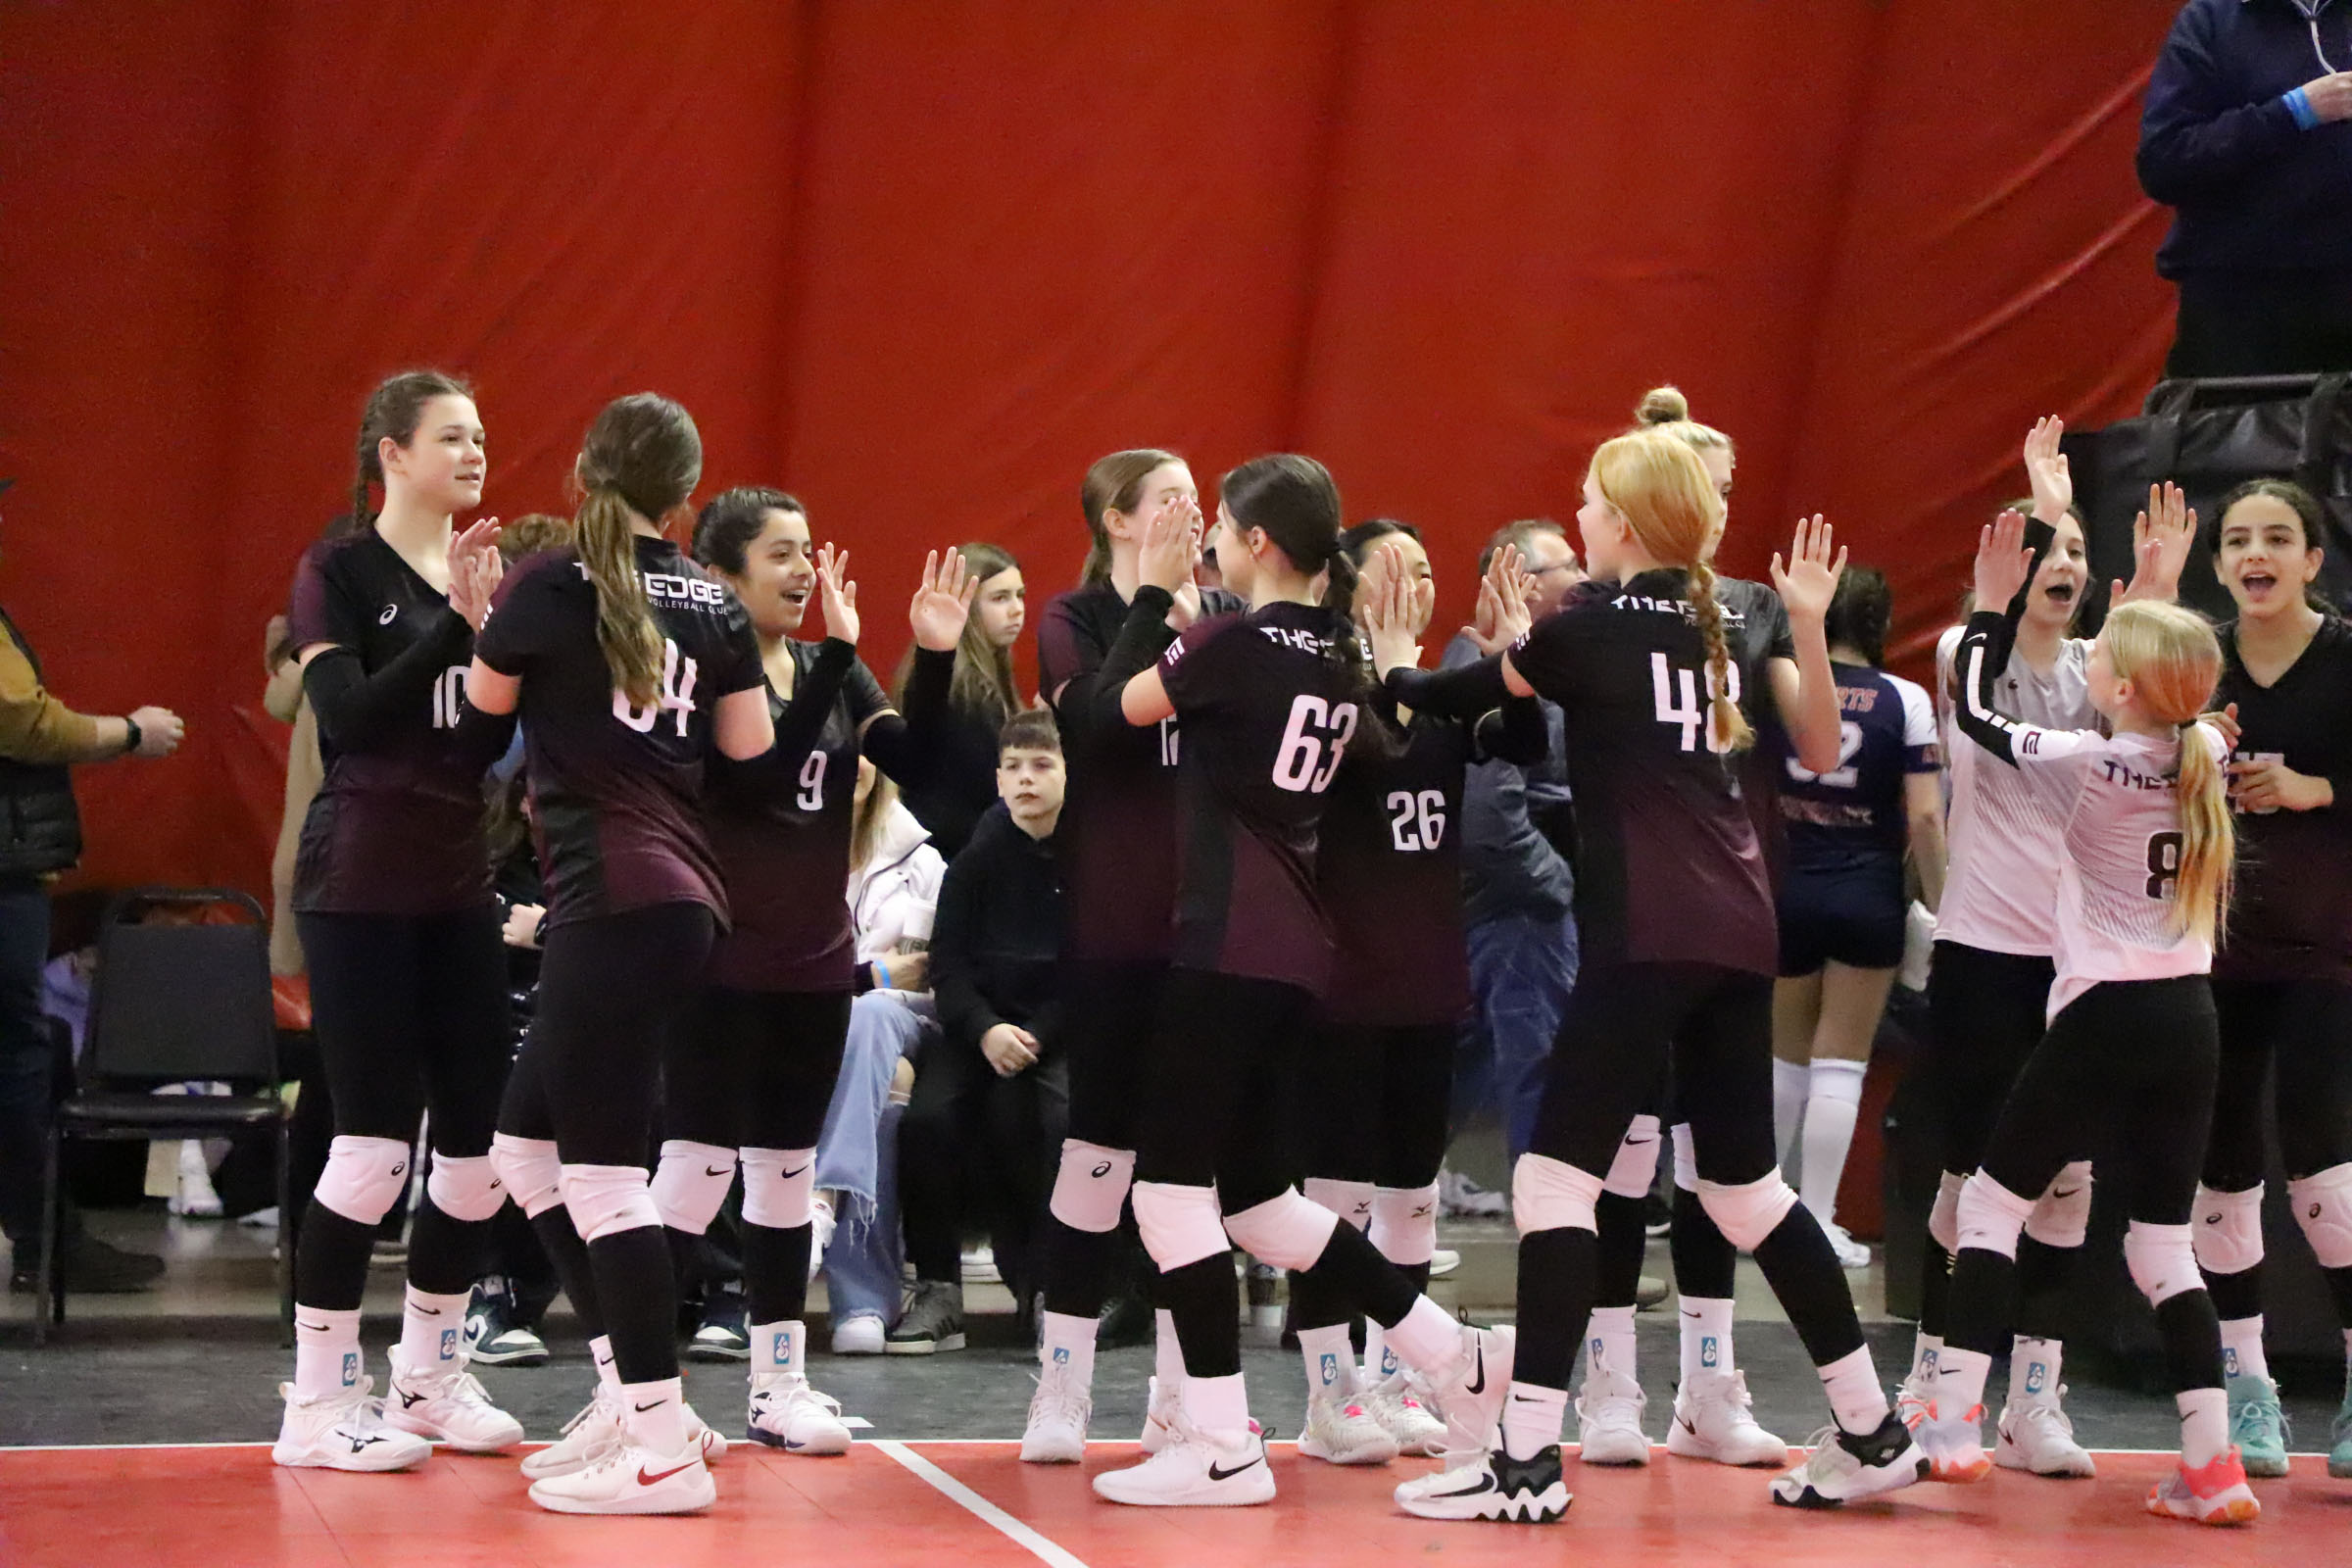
41 835
958 781
2247 135
991 1098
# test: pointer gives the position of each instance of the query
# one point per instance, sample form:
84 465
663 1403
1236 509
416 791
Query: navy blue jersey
1852 817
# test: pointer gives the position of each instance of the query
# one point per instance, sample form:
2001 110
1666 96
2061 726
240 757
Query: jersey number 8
1668 684
2164 863
675 696
1312 743
1420 819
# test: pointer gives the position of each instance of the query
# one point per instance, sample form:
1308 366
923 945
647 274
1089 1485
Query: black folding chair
172 1003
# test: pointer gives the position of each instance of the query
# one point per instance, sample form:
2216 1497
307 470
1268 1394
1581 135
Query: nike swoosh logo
315 1328
790 1174
721 1171
1477 1384
428 1311
1687 1312
2064 1193
1217 1474
645 1480
655 1405
1523 1398
1485 1483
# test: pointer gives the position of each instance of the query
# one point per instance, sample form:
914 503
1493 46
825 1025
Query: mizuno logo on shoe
359 1445
410 1401
1218 1473
645 1480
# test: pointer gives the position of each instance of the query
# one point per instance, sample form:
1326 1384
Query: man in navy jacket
2247 135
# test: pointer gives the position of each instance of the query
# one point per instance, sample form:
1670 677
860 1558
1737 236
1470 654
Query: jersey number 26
1312 743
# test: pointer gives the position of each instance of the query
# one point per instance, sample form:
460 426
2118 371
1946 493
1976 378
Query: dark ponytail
393 409
1294 500
642 455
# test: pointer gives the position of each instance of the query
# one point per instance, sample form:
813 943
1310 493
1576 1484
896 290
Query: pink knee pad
606 1199
1351 1200
531 1171
779 1187
1635 1166
1404 1223
691 1183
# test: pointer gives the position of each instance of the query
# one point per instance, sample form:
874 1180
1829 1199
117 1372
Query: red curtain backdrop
921 263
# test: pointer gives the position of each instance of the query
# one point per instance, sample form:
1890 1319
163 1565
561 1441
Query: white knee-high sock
432 1330
1831 1104
1789 1086
2242 1347
1610 1343
326 1351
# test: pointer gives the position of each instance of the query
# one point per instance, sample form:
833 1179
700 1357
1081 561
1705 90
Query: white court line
988 1512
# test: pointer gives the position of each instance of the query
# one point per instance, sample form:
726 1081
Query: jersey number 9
1312 743
675 696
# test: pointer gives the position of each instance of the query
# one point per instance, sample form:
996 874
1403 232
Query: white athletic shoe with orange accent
2215 1494
629 1478
1954 1445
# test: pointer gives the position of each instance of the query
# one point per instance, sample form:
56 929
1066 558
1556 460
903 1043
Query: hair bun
1663 405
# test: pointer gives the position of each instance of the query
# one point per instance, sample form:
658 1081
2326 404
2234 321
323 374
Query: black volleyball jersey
616 789
1268 717
1852 817
1668 867
1118 821
396 828
2292 917
784 848
1388 875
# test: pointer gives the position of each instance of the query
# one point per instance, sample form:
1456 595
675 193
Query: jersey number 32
1312 743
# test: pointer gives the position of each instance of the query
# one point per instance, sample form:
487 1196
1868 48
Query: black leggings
2136 1060
411 1013
1371 1105
2303 1030
755 1069
966 1132
1987 1012
609 988
1108 1012
1624 1027
1218 1114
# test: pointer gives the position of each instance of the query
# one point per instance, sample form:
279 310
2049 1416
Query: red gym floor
975 1505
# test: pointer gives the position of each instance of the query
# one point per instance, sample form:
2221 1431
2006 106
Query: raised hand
1809 582
2160 539
1387 614
837 596
1171 548
942 601
2047 470
2003 562
474 579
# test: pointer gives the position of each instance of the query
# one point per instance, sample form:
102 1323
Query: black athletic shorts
1852 917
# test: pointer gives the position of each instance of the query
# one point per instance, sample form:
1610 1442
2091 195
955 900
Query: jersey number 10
1312 743
675 696
1668 684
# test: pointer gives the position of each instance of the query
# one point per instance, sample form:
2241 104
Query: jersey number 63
1312 743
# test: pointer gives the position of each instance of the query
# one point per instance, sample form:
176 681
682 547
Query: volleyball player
1844 911
751 1069
1270 701
2283 980
1377 1071
1714 1415
1679 951
1995 932
1119 833
2132 1046
628 665
393 903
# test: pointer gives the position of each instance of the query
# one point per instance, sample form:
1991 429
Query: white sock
1068 1340
655 1413
1329 1361
1926 1348
2204 1425
779 1347
1167 1353
1855 1397
1706 1334
599 1350
1532 1419
2034 1367
1832 1101
1218 1406
1426 1339
1790 1082
1380 1361
326 1351
1610 1343
2242 1347
433 1329
1960 1381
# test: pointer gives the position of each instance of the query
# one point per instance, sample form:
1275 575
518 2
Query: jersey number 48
1676 695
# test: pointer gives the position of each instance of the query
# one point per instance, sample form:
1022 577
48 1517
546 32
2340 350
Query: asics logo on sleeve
390 614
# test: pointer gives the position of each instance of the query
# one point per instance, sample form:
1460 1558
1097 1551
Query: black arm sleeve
1515 732
812 698
480 739
963 1013
1093 700
2039 536
905 744
1465 692
1978 671
355 708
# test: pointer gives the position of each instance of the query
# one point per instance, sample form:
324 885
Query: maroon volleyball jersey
395 828
1388 875
784 846
1667 865
1267 715
2291 916
1118 821
616 789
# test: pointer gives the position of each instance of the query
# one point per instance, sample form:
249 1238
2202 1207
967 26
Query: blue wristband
882 974
2298 104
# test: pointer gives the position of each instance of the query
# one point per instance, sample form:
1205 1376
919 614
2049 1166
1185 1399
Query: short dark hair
1032 729
1515 533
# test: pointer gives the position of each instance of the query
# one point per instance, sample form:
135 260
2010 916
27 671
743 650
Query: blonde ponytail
624 617
2208 838
2173 660
642 457
1725 722
1654 480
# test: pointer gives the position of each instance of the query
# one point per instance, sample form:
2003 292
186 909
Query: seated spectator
893 891
958 785
40 836
991 1100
